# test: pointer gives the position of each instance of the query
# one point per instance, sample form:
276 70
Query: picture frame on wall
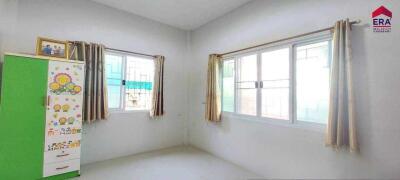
51 48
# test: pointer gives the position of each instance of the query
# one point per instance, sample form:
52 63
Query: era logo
381 20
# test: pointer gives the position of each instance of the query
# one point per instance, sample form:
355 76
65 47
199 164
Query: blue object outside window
138 85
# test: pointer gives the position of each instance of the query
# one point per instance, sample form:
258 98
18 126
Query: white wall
123 134
271 150
284 152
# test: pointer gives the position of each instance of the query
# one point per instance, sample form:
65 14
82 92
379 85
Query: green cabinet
24 92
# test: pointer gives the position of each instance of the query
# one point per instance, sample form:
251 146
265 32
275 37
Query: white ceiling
184 14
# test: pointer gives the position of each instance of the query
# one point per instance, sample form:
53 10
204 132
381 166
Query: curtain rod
285 39
131 52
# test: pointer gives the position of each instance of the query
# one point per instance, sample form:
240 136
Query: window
129 81
114 79
246 85
312 80
275 84
288 83
228 85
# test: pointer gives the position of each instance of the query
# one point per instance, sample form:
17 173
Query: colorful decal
63 145
57 108
62 120
50 132
65 107
63 84
63 131
63 117
71 120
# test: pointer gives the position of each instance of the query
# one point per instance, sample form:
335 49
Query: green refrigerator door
22 117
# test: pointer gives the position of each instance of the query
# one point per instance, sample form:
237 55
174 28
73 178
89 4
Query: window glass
248 68
246 89
312 82
228 79
247 101
260 84
275 84
138 75
113 65
139 83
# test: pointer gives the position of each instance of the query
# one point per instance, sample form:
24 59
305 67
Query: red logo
381 20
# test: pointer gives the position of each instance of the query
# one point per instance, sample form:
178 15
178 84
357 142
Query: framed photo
52 48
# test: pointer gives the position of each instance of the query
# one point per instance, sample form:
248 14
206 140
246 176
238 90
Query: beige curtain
157 108
95 96
213 101
341 129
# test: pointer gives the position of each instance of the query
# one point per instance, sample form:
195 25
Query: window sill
320 128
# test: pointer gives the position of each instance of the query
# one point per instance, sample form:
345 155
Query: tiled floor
179 163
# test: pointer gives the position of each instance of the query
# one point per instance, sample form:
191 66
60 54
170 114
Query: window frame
236 82
292 45
122 103
274 48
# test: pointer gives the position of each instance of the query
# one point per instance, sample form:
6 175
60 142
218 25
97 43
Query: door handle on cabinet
47 101
60 168
62 155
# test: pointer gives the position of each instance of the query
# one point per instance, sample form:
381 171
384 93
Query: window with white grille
284 83
129 81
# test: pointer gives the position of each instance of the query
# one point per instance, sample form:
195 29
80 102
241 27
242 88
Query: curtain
213 101
95 96
341 130
157 105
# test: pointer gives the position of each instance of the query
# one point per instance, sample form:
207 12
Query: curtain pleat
157 105
95 81
95 95
341 129
213 96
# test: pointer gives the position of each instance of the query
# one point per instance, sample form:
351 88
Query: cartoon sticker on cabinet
62 121
65 107
57 108
50 132
63 145
71 120
63 84
63 131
